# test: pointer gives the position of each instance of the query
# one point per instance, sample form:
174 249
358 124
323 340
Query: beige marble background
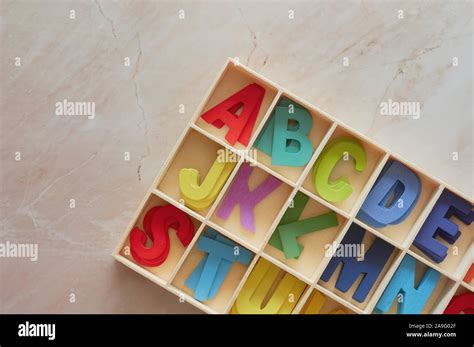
173 62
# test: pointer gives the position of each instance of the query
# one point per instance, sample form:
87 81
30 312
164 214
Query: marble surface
172 62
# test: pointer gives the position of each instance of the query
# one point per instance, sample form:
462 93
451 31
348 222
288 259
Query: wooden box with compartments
267 204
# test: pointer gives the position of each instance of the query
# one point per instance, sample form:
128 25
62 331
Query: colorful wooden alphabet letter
284 137
461 303
438 225
199 197
316 303
156 223
208 276
264 141
469 275
289 229
290 232
373 263
259 283
281 135
249 100
393 196
335 150
239 194
403 282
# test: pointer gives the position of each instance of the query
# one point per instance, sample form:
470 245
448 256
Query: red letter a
240 126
